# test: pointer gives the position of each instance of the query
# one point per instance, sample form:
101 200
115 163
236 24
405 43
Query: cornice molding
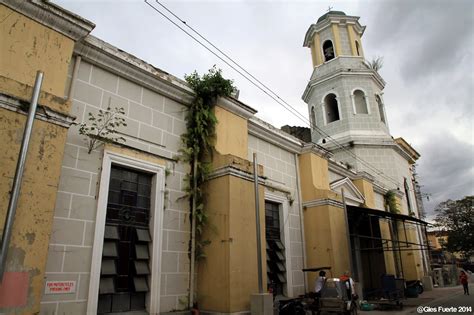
340 73
316 149
267 132
323 202
332 19
236 107
43 113
53 16
98 52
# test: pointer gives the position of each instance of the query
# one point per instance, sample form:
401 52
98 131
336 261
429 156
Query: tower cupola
334 34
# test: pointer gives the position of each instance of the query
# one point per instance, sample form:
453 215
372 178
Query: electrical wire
263 88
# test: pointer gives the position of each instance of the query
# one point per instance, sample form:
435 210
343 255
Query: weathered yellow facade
27 47
324 225
231 133
228 275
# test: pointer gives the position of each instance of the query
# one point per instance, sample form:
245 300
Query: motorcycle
416 284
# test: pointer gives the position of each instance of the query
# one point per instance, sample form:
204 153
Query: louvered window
276 264
125 255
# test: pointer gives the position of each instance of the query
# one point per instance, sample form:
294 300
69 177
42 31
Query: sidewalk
428 297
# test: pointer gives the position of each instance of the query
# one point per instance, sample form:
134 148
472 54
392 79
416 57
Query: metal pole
351 263
257 219
20 167
300 206
193 238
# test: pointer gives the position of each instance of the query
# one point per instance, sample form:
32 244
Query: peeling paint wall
31 229
27 47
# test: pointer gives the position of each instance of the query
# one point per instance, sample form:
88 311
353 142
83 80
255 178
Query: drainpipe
20 167
346 219
300 203
257 222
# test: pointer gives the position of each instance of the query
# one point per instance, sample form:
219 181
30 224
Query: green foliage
391 201
198 142
103 128
457 219
376 63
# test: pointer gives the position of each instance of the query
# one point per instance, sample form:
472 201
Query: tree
457 219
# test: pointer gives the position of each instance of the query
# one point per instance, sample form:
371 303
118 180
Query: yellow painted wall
28 46
337 39
28 248
388 255
351 35
411 259
326 240
316 51
325 230
228 275
231 133
367 189
314 176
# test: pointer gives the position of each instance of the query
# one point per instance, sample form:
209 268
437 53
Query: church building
106 230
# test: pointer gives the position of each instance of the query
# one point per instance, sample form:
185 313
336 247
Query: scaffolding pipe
300 208
346 219
257 222
20 167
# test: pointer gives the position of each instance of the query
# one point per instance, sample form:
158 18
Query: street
447 300
456 303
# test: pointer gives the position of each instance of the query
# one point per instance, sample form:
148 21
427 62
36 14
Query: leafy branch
198 144
391 201
103 128
376 63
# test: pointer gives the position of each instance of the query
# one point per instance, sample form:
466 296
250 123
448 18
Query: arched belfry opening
312 117
328 50
357 48
381 110
360 103
331 108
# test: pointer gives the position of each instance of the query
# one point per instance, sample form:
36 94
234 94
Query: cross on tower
329 8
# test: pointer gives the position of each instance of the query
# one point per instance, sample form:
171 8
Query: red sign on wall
60 287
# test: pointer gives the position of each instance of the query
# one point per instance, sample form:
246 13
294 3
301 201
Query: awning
387 215
399 241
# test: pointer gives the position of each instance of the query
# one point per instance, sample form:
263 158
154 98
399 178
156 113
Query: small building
108 230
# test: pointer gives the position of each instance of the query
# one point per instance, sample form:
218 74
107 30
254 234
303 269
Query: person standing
320 283
464 282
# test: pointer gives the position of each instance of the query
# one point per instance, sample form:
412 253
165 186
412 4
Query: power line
261 86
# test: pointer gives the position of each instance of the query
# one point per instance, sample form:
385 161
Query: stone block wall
154 125
280 169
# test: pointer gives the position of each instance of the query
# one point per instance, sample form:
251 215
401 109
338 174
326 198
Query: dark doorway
276 265
125 257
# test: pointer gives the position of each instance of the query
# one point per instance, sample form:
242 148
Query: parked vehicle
417 285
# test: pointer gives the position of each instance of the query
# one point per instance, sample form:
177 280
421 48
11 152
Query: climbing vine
391 201
198 144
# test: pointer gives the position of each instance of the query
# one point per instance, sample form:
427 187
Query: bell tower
344 94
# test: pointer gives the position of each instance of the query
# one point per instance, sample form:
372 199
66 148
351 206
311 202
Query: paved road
456 303
430 301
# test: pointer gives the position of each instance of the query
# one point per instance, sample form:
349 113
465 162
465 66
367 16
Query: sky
427 47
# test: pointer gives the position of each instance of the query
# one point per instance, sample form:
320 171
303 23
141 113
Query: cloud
446 169
431 37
